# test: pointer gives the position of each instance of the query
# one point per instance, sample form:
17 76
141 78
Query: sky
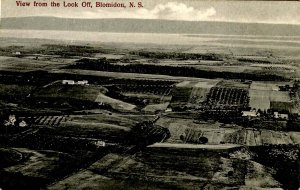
275 12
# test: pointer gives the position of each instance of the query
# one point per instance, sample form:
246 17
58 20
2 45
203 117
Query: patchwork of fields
89 115
189 131
232 94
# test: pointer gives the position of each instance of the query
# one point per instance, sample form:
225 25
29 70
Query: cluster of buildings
254 113
12 121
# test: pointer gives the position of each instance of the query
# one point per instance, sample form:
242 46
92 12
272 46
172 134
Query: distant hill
149 26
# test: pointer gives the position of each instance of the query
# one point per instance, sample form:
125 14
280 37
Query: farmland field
25 65
261 94
191 93
79 92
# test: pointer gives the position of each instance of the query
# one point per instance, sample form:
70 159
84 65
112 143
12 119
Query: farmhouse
251 113
72 82
280 115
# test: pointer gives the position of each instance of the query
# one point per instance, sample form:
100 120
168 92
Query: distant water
153 38
103 37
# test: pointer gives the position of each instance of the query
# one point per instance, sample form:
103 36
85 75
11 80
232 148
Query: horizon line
220 21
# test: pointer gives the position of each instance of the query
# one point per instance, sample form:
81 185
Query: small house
71 82
83 82
280 115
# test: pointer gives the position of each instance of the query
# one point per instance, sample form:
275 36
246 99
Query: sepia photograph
149 95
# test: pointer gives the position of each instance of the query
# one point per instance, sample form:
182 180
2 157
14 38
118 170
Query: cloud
179 11
167 11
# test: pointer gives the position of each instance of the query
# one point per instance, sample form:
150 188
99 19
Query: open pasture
26 65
